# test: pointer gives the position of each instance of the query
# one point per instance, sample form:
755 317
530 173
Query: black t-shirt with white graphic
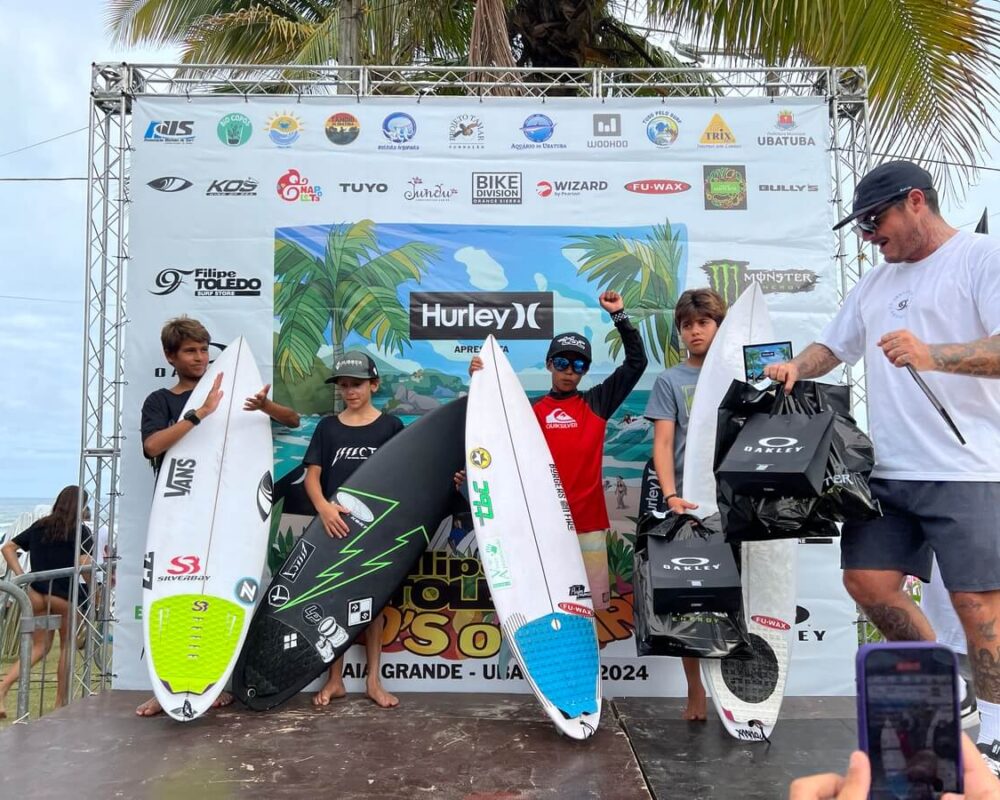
339 449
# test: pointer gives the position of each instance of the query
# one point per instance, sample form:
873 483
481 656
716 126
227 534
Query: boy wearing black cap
934 307
339 445
574 423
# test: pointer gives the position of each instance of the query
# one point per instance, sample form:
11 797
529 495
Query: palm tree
932 65
352 287
644 272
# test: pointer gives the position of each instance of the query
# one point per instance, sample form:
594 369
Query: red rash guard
574 425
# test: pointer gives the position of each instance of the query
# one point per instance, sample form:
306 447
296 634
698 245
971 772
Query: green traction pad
192 639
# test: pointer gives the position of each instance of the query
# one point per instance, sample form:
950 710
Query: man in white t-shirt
934 305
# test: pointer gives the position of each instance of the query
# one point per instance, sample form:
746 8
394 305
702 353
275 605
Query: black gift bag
845 495
783 453
693 575
701 634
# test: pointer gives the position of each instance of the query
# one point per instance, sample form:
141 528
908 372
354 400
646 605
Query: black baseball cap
892 180
575 343
354 364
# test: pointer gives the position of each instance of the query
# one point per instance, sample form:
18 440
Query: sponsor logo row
724 187
658 130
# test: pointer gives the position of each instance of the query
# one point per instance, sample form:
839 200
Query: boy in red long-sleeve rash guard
574 423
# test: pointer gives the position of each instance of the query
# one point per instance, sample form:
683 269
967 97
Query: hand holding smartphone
908 719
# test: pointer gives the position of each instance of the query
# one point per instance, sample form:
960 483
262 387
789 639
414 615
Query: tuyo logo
473 315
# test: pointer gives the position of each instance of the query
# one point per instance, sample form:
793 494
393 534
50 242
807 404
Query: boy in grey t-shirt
698 315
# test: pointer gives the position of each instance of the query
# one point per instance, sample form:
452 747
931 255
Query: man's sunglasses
580 366
869 222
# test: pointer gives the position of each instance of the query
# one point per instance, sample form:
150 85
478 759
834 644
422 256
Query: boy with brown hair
185 346
697 315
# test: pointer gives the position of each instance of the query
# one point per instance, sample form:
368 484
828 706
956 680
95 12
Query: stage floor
434 746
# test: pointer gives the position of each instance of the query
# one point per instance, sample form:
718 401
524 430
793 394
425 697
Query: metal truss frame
113 88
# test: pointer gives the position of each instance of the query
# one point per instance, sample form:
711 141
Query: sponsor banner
412 230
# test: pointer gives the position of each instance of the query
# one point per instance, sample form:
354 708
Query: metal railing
30 623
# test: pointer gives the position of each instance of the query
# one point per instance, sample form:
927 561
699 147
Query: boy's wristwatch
192 417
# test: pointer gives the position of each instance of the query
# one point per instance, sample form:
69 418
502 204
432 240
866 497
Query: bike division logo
234 130
284 129
717 134
725 187
496 188
730 277
467 132
342 128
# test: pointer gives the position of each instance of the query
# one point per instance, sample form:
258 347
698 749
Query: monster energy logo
729 278
483 504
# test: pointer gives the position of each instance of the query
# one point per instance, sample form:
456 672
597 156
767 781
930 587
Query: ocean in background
11 507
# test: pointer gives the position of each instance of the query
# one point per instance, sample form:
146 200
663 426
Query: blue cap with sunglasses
884 184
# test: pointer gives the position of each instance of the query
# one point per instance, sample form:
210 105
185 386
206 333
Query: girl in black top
51 541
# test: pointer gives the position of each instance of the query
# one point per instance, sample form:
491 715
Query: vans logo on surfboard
473 315
771 622
576 608
557 418
180 477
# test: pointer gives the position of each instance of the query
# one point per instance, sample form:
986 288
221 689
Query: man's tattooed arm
980 358
817 359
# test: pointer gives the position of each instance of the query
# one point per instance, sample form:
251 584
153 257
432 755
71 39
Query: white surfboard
528 547
207 542
747 694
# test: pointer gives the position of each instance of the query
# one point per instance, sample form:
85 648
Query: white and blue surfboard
528 547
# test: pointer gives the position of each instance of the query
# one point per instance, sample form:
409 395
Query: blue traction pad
563 663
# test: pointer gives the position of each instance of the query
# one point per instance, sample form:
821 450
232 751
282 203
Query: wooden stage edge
435 746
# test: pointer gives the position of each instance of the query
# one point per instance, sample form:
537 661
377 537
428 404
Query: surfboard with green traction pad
328 590
207 541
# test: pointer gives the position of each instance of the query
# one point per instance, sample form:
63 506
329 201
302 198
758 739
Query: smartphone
758 356
908 719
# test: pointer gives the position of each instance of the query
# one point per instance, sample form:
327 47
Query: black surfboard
329 590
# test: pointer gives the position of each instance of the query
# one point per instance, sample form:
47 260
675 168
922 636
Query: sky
46 50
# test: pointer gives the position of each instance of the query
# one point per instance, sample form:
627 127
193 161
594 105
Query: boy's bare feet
333 689
152 706
697 708
378 695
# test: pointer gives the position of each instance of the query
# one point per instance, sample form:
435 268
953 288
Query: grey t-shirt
671 399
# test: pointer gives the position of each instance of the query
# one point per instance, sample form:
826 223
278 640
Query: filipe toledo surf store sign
499 249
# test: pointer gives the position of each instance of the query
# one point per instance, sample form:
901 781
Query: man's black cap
575 343
892 180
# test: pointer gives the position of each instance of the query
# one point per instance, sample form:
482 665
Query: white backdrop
503 197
